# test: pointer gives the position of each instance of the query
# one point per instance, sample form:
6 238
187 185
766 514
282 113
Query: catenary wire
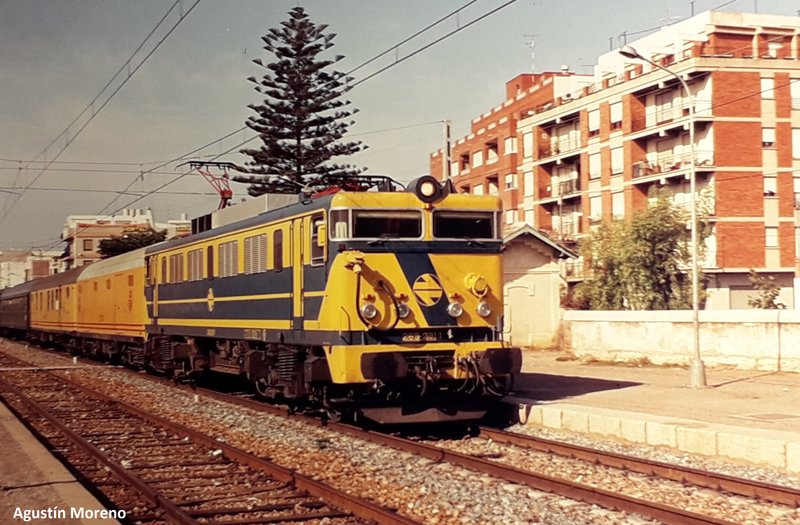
95 112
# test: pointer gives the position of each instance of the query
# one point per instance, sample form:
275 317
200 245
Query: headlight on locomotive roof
427 189
483 309
403 310
369 311
455 309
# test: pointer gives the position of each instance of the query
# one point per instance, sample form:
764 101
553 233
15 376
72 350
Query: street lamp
697 369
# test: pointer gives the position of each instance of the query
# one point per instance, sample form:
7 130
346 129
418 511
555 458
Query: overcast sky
57 55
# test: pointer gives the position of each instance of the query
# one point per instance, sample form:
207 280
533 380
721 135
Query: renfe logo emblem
428 289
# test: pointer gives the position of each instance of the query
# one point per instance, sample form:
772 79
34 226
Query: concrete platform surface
33 480
749 416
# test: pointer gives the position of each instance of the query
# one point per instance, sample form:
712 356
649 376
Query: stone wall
747 339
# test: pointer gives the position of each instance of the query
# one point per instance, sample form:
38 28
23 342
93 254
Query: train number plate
421 337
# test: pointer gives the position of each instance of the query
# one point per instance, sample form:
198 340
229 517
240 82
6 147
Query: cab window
387 224
318 240
464 224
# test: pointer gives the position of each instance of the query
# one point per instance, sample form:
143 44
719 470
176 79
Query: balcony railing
574 268
672 163
566 187
560 147
657 116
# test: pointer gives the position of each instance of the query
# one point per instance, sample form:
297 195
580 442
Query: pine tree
303 117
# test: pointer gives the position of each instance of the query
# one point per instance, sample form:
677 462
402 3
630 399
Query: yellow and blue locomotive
382 304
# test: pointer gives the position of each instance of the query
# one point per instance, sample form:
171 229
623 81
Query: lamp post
697 369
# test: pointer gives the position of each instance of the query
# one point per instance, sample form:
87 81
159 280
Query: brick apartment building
592 147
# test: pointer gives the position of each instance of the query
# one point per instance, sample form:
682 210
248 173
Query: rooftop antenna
532 44
668 20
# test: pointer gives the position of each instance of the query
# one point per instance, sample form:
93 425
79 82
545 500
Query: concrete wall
747 339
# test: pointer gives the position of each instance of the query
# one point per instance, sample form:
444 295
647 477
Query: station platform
32 479
747 416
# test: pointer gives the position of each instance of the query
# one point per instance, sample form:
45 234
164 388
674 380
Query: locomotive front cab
416 291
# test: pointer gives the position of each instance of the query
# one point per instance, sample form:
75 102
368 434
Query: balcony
574 269
673 163
657 116
561 147
569 187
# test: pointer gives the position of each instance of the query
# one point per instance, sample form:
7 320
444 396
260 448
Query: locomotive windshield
464 225
377 224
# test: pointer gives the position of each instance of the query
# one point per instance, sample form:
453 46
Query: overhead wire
244 128
95 111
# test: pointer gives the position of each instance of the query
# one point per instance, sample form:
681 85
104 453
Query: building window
527 145
511 181
594 165
463 161
491 152
768 137
477 159
796 143
616 115
527 186
768 88
771 237
594 122
617 161
618 205
595 207
477 189
794 92
770 185
88 245
510 145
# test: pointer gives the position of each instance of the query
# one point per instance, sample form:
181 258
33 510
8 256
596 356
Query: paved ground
747 415
769 400
32 479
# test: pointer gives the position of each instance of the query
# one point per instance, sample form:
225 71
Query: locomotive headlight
369 311
455 310
484 309
403 310
427 189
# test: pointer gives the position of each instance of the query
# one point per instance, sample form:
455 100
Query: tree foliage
128 240
768 292
303 117
641 264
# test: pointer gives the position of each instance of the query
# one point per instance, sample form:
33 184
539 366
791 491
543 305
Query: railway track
701 478
563 487
156 471
758 491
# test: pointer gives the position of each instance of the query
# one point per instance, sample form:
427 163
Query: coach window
277 248
318 239
164 270
210 262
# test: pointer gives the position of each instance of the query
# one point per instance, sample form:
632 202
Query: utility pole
446 157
